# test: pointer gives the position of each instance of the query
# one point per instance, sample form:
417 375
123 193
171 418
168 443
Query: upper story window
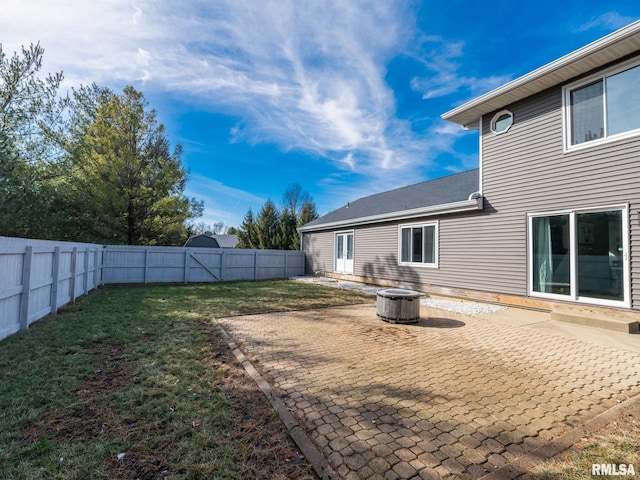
501 121
419 244
603 106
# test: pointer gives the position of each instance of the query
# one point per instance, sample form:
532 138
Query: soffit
619 44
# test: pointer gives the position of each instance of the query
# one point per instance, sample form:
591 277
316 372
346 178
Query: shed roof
442 195
612 47
210 240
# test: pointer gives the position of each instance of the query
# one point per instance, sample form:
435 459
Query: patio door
580 255
344 252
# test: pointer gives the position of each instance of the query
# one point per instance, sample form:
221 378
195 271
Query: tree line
95 166
92 166
275 228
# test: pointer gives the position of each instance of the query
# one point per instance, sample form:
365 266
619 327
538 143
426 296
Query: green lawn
141 373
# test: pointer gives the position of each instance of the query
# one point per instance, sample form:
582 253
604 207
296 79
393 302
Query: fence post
255 265
56 279
146 265
85 276
186 264
72 284
96 255
26 288
223 259
286 264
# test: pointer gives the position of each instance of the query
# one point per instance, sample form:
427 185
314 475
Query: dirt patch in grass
267 449
93 418
89 419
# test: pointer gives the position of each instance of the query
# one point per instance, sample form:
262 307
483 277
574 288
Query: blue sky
343 97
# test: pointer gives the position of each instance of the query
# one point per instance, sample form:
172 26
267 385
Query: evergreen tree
128 183
288 238
247 234
308 213
278 230
28 192
267 226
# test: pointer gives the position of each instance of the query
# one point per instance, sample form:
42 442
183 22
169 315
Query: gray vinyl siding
461 264
525 170
318 248
461 261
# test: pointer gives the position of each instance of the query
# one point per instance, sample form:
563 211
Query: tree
294 198
247 234
308 213
267 226
128 184
26 101
28 188
273 229
287 234
200 228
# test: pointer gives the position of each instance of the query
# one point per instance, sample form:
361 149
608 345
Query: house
550 218
208 239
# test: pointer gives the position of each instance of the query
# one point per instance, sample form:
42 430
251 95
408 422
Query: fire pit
396 305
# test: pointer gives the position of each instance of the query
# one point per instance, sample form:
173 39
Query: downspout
480 162
478 127
304 257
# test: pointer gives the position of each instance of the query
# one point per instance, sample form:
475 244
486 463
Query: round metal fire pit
396 305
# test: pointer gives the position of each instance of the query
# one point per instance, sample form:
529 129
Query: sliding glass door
580 255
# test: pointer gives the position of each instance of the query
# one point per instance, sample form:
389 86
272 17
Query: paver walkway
450 395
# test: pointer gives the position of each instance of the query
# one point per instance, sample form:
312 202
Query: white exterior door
344 252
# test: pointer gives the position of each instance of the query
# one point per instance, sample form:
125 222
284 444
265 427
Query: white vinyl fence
126 264
37 277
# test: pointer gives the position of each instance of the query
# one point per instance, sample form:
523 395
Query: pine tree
288 238
308 213
247 234
267 226
129 183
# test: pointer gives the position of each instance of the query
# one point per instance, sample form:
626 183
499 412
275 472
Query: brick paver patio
450 395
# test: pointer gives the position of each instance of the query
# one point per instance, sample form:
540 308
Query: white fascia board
539 79
473 204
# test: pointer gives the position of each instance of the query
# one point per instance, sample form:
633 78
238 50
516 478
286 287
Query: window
604 106
580 255
501 121
418 244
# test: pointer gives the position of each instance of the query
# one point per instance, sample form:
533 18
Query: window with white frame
501 121
603 106
419 244
580 255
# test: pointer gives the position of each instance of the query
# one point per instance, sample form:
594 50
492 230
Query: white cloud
304 75
444 59
608 21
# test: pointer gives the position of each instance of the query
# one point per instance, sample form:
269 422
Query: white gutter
548 75
472 204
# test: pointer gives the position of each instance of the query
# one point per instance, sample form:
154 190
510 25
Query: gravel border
465 308
454 306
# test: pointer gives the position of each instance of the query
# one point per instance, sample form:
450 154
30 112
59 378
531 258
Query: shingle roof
441 191
209 240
